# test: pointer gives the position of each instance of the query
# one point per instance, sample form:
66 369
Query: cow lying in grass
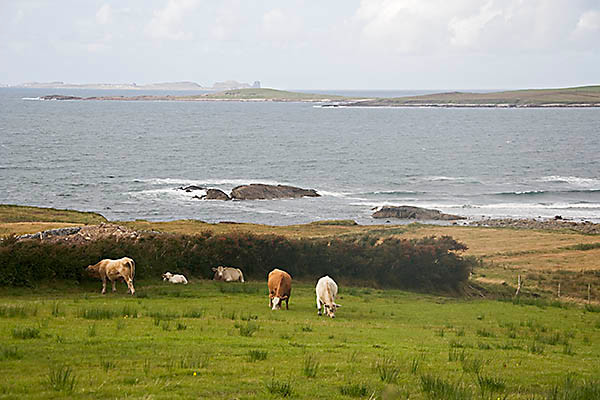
228 274
280 288
113 270
327 291
167 276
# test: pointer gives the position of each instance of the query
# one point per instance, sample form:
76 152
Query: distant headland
184 85
584 96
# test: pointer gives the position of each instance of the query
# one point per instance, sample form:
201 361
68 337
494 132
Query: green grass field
221 341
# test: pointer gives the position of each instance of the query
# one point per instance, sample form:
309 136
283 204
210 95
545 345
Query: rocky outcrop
60 97
258 191
190 188
215 194
553 224
409 212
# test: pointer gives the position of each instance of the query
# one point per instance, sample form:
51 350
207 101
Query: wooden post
558 289
519 283
589 292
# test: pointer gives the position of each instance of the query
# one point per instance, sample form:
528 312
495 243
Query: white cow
327 291
167 276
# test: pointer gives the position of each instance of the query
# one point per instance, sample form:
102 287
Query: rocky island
410 212
253 191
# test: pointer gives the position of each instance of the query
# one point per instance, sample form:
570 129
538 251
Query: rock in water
215 194
409 212
258 191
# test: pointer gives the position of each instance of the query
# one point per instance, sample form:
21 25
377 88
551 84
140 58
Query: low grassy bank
211 340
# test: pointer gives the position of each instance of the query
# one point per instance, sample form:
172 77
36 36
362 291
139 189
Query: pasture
221 341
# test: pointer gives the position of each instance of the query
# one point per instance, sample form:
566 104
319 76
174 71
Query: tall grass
61 378
436 388
10 353
11 311
310 366
257 355
25 333
570 389
279 388
354 390
97 313
388 370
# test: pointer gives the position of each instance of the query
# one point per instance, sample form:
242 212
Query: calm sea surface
126 159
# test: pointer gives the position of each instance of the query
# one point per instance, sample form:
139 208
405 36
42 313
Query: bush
427 263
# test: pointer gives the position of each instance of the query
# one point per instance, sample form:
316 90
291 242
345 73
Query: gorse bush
427 263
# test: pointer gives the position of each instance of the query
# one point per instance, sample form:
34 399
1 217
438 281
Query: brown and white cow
113 270
327 291
280 288
228 274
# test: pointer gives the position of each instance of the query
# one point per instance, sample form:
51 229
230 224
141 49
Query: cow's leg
287 301
270 302
114 285
103 285
318 306
130 286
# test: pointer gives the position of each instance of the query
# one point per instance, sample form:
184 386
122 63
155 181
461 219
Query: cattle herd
279 282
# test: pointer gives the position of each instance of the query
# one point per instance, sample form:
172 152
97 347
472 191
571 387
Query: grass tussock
257 355
388 369
310 366
15 311
26 332
355 390
61 378
279 388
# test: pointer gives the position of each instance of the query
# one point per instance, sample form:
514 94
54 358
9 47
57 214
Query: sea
126 160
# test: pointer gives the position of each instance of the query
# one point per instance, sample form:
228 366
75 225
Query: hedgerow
428 263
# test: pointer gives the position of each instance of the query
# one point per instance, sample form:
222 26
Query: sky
304 44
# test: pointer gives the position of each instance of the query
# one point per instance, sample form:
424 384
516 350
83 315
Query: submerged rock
258 191
410 212
190 188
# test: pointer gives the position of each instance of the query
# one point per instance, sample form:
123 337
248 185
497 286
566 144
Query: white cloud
167 22
589 21
423 27
104 14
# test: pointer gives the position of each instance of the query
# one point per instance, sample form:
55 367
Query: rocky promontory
259 191
410 212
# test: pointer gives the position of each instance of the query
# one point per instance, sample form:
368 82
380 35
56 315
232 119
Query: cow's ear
214 269
337 305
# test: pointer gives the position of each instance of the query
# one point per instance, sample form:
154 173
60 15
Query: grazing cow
167 276
280 288
228 274
327 291
113 270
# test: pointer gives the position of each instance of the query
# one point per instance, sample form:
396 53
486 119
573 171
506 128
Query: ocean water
126 159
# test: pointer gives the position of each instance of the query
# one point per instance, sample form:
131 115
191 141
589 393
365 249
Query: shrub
427 263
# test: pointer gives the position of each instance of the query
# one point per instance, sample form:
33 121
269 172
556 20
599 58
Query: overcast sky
304 44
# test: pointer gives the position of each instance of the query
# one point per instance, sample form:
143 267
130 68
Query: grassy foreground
211 340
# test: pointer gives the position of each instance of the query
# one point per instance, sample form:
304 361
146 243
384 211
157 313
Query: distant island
584 96
185 85
226 95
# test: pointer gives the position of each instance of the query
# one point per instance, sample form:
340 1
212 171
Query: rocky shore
543 224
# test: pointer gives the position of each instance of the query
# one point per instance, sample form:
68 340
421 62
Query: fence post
519 283
589 292
558 289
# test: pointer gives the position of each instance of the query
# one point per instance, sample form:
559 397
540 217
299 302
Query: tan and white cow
113 270
327 291
228 274
174 278
280 288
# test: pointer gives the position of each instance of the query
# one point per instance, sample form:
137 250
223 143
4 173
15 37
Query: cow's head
167 276
92 270
330 309
218 273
